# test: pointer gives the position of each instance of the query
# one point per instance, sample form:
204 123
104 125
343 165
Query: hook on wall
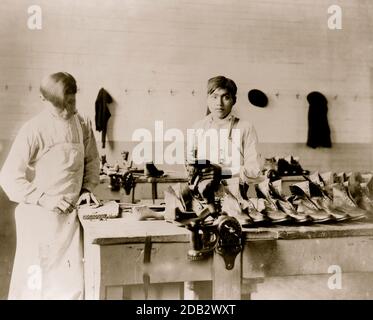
150 91
125 91
172 92
30 87
336 97
277 94
6 87
355 98
193 92
297 95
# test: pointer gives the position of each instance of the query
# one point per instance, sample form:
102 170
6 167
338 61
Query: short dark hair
223 83
55 86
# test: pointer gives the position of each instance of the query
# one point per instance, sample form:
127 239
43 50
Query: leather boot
231 206
270 206
283 204
150 170
304 204
340 177
364 201
128 182
368 180
283 167
327 180
295 167
327 177
250 209
343 200
239 191
361 188
323 200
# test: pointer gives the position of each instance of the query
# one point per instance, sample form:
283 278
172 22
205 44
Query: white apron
49 254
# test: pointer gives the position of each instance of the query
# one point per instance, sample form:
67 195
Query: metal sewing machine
197 208
120 175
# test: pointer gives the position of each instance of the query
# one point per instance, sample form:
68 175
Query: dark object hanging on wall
102 114
257 98
318 126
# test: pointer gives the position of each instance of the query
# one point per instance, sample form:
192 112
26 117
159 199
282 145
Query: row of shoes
321 198
277 167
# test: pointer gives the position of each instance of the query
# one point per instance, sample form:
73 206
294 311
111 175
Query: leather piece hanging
318 126
102 114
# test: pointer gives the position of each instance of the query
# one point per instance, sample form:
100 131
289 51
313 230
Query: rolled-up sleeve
91 176
13 175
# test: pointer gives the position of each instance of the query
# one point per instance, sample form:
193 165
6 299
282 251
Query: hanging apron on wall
49 254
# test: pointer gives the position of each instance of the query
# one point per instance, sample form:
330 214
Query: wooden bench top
121 230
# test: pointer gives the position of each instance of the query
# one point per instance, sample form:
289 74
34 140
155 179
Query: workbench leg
226 284
92 270
133 194
249 286
189 293
154 191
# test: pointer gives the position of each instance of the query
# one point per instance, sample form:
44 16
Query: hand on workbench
58 204
87 197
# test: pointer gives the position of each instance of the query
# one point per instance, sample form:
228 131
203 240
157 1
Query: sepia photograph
186 150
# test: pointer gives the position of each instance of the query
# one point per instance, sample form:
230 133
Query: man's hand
57 204
87 197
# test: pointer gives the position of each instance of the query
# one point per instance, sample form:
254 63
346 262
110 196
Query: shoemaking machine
197 208
119 177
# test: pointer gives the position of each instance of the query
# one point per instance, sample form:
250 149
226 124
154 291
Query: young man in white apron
52 166
224 138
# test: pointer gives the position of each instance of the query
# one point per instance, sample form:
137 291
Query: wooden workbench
114 252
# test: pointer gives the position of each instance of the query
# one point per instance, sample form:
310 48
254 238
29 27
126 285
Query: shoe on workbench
342 199
275 190
150 170
231 206
322 198
271 210
304 204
